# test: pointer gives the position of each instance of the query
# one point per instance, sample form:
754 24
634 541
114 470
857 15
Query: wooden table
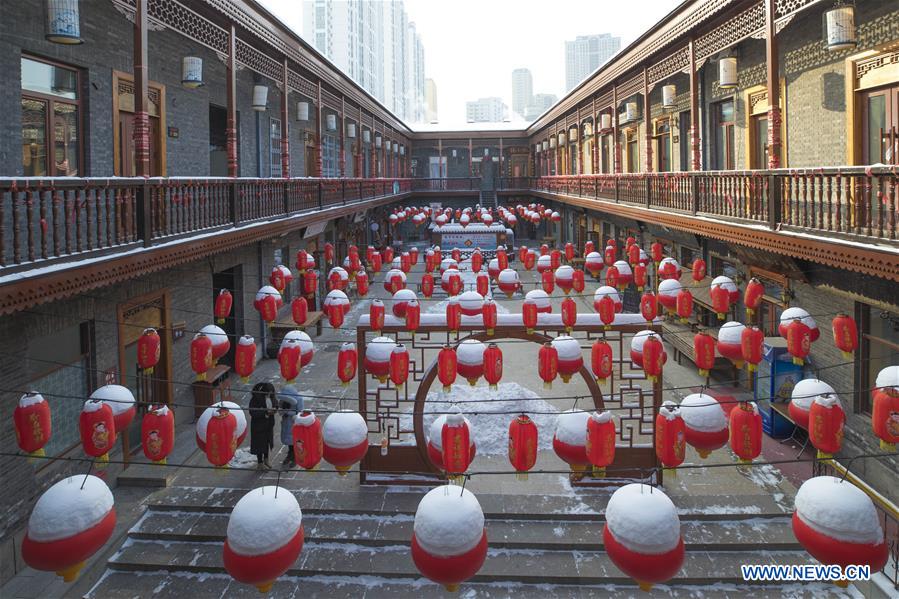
284 325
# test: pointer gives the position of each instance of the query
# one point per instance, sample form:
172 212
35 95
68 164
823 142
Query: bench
284 325
680 337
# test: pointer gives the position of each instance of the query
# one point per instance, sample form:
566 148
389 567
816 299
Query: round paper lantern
307 347
289 359
522 445
594 264
577 281
31 419
670 435
548 364
493 365
240 432
70 522
654 358
96 424
625 274
338 278
471 303
413 255
564 275
609 255
530 260
704 352
435 441
157 433
267 302
633 254
451 282
493 268
120 400
589 247
301 261
529 314
394 280
637 342
730 342
640 276
845 334
220 343
570 360
825 425
570 439
684 305
477 261
405 262
413 316
453 314
200 355
698 270
148 350
347 359
601 360
449 542
337 299
448 264
310 284
522 252
427 285
457 255
752 296
455 442
669 269
508 282
728 284
377 357
569 313
649 307
280 277
306 434
569 251
447 365
548 281
344 440
837 523
299 310
376 315
745 424
470 355
220 432
223 303
544 263
642 535
329 253
399 366
669 289
657 250
885 407
706 423
751 341
799 341
401 300
720 297
362 283
600 441
264 537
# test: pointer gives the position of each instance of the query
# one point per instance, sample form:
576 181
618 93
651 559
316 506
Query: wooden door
880 126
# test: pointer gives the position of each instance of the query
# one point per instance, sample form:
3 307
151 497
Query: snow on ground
242 458
481 406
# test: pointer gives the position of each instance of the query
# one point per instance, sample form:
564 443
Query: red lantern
825 425
601 361
613 278
32 423
657 250
376 315
706 423
329 254
399 366
522 445
555 259
698 273
670 435
245 358
489 315
751 340
633 254
405 262
413 255
631 240
594 264
730 342
362 283
452 282
640 276
157 433
600 442
589 247
569 251
653 358
307 440
310 284
470 360
720 300
529 314
609 255
201 355
376 263
570 360
649 307
570 440
493 365
455 443
502 258
563 278
413 315
299 310
427 285
669 269
493 268
483 284
684 305
885 417
522 253
704 353
548 364
377 357
569 313
453 314
530 260
223 303
335 315
745 432
302 261
148 350
277 278
220 438
267 302
752 296
289 359
370 254
845 334
457 255
344 440
446 367
799 341
548 281
394 280
477 260
347 358
577 281
544 250
605 306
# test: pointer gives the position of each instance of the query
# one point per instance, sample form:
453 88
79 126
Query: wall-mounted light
552 142
331 122
260 97
192 72
668 94
727 72
63 22
378 140
402 150
396 148
605 120
630 112
537 148
454 153
486 151
366 136
572 135
302 111
561 139
588 129
841 26
351 130
545 145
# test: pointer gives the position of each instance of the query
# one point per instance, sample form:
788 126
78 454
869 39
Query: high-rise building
375 44
585 54
539 104
486 110
522 90
431 100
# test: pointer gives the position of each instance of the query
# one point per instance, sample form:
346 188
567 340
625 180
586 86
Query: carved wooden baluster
880 200
43 223
16 229
12 197
29 207
892 196
56 206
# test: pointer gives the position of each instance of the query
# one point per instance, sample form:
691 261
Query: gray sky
472 46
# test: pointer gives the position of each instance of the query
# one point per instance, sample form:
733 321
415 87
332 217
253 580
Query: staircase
357 545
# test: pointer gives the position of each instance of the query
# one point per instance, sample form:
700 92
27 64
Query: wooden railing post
319 195
647 189
284 195
694 191
774 202
233 199
617 189
343 191
144 213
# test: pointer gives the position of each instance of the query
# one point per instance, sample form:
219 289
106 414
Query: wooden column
141 133
596 139
317 171
647 120
470 157
695 144
375 170
360 163
440 158
285 138
231 119
500 157
616 152
341 160
580 144
774 113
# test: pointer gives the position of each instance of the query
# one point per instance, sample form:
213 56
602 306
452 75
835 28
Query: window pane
65 139
876 125
727 111
48 79
34 137
882 343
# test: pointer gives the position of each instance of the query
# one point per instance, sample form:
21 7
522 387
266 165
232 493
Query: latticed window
51 120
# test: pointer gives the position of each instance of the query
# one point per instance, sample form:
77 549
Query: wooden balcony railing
447 184
41 219
857 201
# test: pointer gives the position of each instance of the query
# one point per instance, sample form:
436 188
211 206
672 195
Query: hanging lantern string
88 473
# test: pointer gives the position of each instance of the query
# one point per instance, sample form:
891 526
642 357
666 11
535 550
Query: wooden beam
141 132
285 128
647 120
695 154
774 114
231 120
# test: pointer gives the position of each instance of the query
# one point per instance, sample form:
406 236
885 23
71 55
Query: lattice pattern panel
632 86
300 84
783 8
733 31
330 100
256 61
604 101
674 63
182 19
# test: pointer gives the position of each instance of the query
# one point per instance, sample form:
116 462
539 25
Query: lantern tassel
148 370
451 588
847 355
71 573
265 587
672 472
824 456
220 321
599 472
201 376
547 385
798 361
161 462
522 476
644 586
447 388
883 445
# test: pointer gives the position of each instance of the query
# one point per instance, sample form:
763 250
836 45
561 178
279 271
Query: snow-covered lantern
670 435
612 294
192 72
669 92
544 263
471 303
825 425
570 358
541 299
344 439
885 407
837 523
220 448
470 355
523 436
564 278
482 283
840 21
730 342
280 277
120 400
487 218
669 268
594 264
570 439
400 302
451 282
448 264
637 342
264 537
455 439
32 423
791 314
96 425
338 278
337 299
625 274
260 98
642 535
221 309
394 280
601 360
220 342
509 282
377 357
63 22
728 284
600 442
727 72
307 347
267 302
157 433
70 522
706 423
240 432
449 541
435 441
668 292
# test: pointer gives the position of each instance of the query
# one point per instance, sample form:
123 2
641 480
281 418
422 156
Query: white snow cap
395 272
564 273
340 272
246 340
471 352
571 427
448 274
703 413
640 338
623 268
593 257
304 418
471 300
117 397
643 519
508 276
888 378
261 522
731 332
791 314
267 290
539 297
448 264
725 282
606 290
805 391
670 287
397 263
344 429
379 349
65 509
206 416
215 334
493 264
828 400
601 417
839 510
669 410
544 261
404 295
303 338
435 432
567 347
336 297
31 398
284 270
669 260
448 522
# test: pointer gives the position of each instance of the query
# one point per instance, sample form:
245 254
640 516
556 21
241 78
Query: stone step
164 585
381 530
529 566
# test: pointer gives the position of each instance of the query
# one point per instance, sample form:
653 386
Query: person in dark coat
263 405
